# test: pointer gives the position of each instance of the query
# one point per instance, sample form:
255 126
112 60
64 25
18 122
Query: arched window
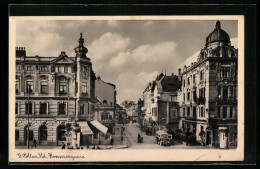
60 133
43 133
30 133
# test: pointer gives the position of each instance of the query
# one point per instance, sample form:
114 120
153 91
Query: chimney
179 74
63 53
20 52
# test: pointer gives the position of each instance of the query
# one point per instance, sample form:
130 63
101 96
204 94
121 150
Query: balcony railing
226 100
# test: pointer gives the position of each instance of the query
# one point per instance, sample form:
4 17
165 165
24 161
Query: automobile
163 138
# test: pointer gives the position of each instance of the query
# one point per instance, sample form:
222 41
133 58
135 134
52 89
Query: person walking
34 143
63 145
112 141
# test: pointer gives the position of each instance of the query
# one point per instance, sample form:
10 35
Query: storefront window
16 134
30 133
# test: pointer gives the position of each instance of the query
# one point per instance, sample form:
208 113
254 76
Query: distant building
54 91
209 91
120 114
140 111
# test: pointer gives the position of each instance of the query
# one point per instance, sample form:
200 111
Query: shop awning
85 130
99 126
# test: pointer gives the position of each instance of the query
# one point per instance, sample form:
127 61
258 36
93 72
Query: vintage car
163 138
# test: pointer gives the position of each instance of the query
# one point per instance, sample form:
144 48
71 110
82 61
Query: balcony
226 101
200 100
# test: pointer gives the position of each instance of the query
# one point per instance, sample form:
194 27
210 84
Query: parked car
163 138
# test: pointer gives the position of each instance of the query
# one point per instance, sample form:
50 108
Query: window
63 85
28 108
188 111
183 96
231 91
194 79
231 112
29 67
225 72
17 67
188 96
201 128
224 112
43 133
85 69
219 90
81 111
202 75
219 112
225 92
59 69
16 135
183 111
60 133
202 112
16 108
65 69
44 87
194 95
84 88
104 116
62 108
194 111
17 87
44 68
29 87
188 81
183 82
173 113
43 108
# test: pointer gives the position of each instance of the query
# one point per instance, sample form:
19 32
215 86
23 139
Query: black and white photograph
130 88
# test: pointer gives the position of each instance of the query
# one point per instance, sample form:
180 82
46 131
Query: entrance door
208 141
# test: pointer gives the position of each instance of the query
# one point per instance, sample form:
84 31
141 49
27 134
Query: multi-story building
160 103
105 110
209 91
164 106
54 91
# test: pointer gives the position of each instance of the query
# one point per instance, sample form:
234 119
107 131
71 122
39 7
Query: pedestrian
63 145
112 141
34 143
94 147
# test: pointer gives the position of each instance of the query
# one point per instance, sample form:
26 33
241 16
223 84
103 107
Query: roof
170 84
218 35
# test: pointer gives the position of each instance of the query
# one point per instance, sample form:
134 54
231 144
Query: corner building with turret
208 103
54 91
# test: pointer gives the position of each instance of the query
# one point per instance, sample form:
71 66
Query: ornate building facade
54 91
209 92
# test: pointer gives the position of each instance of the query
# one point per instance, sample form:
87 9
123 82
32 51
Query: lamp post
28 90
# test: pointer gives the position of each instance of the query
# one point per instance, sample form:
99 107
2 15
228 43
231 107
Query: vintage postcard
126 88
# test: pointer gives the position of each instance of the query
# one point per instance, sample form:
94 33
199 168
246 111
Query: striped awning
85 130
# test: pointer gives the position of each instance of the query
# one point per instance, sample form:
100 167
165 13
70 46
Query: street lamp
28 90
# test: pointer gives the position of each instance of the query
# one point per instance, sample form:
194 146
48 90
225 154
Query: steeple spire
218 25
81 40
81 50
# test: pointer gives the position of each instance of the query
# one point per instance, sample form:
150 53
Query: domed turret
218 35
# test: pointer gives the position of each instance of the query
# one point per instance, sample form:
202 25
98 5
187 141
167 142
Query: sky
127 53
